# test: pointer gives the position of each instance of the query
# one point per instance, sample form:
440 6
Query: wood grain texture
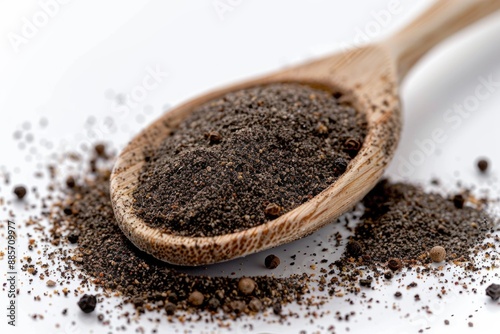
442 20
368 77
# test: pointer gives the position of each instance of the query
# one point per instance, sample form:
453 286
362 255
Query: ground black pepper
246 158
105 259
73 237
404 222
118 265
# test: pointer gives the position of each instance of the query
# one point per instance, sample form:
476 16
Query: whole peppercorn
354 248
458 201
493 291
388 275
100 150
196 298
246 285
437 254
170 308
482 165
272 261
395 264
87 303
20 192
70 182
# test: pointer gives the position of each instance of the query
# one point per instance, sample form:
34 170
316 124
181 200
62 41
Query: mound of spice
397 229
402 229
104 253
403 221
246 158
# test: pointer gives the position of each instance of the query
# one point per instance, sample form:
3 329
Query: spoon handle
441 20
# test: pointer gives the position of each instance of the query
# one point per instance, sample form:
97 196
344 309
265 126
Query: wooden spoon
369 77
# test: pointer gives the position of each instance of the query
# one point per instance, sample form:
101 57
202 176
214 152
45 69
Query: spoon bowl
368 78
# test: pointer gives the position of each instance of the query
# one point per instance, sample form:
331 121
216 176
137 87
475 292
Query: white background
73 64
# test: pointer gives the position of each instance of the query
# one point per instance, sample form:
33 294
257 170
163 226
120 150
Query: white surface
89 51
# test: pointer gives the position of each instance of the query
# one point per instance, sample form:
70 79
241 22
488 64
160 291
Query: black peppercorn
272 261
395 264
87 303
170 308
70 182
20 192
493 291
100 150
482 165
